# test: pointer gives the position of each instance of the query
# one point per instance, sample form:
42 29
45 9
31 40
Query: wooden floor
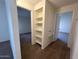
56 50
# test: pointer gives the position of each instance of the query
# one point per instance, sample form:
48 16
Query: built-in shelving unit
38 25
42 24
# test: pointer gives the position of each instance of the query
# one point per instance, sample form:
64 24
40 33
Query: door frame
58 22
31 12
11 8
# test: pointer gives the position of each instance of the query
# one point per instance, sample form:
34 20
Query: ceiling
60 3
33 1
57 3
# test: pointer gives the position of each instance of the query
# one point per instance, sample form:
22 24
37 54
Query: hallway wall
4 29
65 22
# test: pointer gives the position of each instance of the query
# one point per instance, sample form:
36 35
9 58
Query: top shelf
39 5
39 9
36 9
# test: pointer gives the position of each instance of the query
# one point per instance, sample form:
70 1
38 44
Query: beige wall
25 4
49 24
74 18
74 50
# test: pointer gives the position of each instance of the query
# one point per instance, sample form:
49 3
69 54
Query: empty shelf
39 30
38 42
39 23
39 9
39 17
39 36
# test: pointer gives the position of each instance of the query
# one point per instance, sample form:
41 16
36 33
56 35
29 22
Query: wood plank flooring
56 50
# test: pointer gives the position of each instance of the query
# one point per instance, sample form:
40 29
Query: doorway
24 21
64 27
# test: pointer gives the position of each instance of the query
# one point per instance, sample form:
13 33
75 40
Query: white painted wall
75 17
65 22
24 19
74 48
4 29
49 24
13 28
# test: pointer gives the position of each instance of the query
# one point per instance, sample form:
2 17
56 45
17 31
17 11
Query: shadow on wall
24 17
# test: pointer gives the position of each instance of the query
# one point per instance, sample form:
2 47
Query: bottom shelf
38 40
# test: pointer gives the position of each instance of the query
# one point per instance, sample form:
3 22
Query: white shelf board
39 36
38 42
39 22
39 17
39 30
37 9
